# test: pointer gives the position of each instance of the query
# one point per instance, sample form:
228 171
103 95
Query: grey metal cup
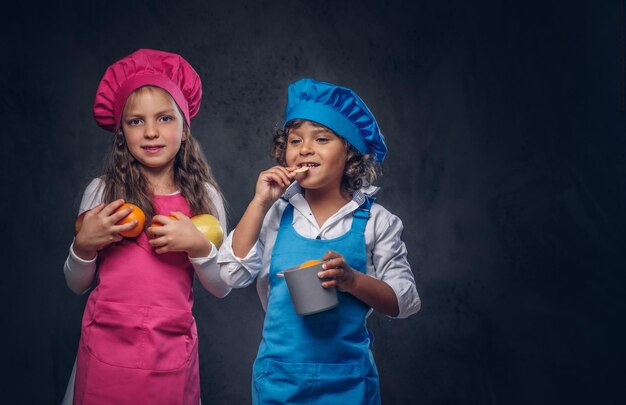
307 294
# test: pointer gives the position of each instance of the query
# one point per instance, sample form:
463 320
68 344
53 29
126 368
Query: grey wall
505 124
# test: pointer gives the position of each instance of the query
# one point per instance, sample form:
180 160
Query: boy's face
319 148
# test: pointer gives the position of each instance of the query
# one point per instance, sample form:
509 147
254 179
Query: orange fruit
154 223
309 263
210 228
137 214
157 224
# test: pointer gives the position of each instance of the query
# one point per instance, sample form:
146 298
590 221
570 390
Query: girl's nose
150 131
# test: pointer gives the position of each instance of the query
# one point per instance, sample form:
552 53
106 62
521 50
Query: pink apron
138 341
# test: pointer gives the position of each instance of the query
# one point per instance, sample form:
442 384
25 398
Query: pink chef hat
144 67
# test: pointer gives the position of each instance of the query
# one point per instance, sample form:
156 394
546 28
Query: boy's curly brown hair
359 166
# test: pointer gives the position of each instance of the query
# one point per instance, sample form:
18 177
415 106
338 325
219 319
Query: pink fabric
166 70
139 340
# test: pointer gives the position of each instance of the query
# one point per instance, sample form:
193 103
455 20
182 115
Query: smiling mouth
308 165
152 148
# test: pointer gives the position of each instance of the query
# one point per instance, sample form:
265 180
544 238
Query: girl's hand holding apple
178 232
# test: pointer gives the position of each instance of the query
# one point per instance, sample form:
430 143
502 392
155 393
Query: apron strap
361 215
287 219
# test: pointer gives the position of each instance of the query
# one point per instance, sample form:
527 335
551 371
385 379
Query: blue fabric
339 109
323 358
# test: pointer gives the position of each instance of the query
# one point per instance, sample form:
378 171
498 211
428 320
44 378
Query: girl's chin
155 164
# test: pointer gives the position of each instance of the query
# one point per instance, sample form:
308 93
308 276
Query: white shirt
386 252
79 273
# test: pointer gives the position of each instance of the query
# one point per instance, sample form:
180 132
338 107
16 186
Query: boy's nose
306 148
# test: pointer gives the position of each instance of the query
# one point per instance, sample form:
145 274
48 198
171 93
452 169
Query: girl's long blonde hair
123 177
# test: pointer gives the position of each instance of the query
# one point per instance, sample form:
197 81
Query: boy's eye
294 141
322 140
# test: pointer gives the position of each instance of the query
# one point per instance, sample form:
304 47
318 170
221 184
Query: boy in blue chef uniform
326 212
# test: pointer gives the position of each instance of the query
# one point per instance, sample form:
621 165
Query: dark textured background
505 124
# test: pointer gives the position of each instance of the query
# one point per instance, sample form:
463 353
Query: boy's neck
325 203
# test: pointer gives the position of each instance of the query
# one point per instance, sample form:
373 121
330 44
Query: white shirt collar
367 190
294 196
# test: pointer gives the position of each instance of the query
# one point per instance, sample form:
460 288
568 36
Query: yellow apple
210 228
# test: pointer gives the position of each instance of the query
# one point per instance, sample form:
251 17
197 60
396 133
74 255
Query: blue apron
322 358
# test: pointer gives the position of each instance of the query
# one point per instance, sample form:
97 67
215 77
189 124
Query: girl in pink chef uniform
139 342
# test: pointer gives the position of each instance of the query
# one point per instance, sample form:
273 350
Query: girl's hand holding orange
103 225
176 233
337 272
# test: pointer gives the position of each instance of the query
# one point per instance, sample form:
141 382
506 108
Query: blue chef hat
339 109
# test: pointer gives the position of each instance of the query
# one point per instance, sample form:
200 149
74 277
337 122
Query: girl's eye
133 122
322 140
166 118
294 141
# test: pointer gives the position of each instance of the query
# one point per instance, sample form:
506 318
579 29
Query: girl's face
153 128
317 147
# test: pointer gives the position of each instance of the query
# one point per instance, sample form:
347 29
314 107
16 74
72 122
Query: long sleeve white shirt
386 252
80 274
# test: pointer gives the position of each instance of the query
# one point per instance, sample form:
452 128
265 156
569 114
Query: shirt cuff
81 263
79 273
235 271
228 255
201 260
408 300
